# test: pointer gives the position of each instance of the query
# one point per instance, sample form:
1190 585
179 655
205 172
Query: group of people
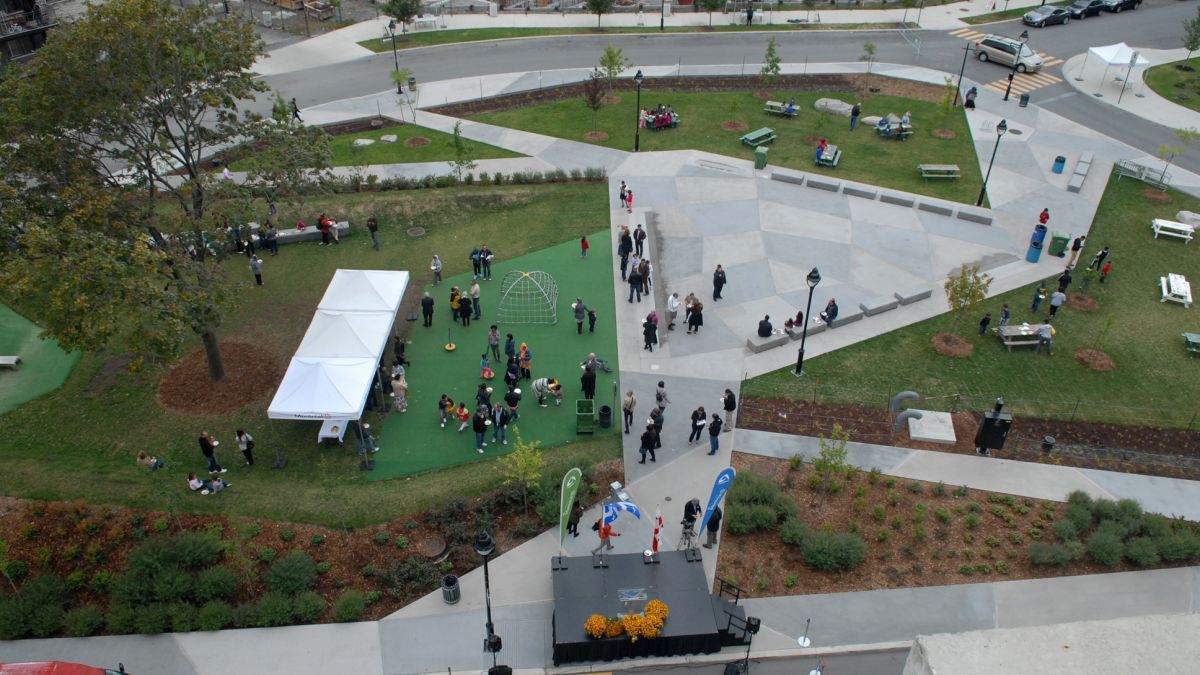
463 306
208 448
651 438
660 117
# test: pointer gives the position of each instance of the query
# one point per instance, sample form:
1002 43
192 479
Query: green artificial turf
415 442
79 442
44 365
1154 381
865 156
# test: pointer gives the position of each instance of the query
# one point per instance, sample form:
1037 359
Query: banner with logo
720 487
570 488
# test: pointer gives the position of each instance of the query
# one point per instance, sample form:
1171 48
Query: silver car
1007 51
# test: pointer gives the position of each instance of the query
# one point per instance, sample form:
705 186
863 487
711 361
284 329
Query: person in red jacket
583 247
606 534
1105 270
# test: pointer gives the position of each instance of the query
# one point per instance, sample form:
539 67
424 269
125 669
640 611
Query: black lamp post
958 87
1000 129
637 128
1016 62
485 546
662 15
395 59
813 278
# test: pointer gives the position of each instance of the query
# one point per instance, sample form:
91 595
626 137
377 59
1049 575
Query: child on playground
445 409
485 368
463 416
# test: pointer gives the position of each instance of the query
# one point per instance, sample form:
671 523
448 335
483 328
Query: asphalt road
1157 24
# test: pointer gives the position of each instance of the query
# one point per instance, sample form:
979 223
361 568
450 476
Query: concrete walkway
1117 86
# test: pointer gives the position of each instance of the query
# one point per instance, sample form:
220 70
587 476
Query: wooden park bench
1191 342
950 171
780 108
830 157
10 362
1170 228
1022 335
759 137
321 11
1175 288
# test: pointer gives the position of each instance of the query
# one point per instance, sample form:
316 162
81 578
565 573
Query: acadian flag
658 525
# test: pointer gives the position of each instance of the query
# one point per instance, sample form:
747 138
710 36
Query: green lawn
1152 374
1181 87
73 444
444 37
865 156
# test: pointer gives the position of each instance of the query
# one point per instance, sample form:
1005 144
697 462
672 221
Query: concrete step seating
871 307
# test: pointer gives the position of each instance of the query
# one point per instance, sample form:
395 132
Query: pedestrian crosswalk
1024 83
971 35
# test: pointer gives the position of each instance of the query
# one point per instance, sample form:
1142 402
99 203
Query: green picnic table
759 137
1191 342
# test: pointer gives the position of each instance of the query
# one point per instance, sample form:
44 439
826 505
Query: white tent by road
331 373
1119 54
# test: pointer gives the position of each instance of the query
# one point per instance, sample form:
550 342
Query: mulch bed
944 134
1155 195
416 142
1094 359
610 99
251 373
734 126
1082 303
1173 453
950 552
950 344
596 136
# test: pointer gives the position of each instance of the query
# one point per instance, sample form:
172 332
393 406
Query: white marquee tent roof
331 374
1119 54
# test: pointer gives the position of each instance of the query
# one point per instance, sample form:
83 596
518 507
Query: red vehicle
55 668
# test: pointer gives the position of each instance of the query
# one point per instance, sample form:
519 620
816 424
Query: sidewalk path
1087 74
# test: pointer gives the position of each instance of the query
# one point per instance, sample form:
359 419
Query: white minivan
1004 50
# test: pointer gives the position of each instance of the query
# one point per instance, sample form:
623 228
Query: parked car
1119 5
1007 51
1082 9
1046 15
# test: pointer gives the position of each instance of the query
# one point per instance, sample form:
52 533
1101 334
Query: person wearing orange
606 534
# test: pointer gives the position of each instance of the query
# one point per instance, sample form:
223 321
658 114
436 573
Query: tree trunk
216 368
958 320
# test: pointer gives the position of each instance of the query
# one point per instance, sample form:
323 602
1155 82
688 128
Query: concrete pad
907 297
1168 496
1075 184
935 207
702 190
799 221
973 216
878 305
1037 602
888 215
722 218
897 199
1026 479
906 249
933 427
792 177
822 183
879 276
758 344
731 250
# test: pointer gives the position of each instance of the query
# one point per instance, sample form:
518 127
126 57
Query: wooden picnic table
759 137
939 171
897 131
1175 287
830 157
1170 228
780 108
1019 335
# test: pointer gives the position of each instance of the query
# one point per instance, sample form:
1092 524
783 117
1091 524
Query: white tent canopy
331 373
1119 54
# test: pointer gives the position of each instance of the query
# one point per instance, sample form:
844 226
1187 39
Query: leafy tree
831 463
593 95
523 466
808 8
612 64
964 290
949 93
711 6
599 8
1191 34
907 4
464 160
770 69
403 11
868 55
1168 153
115 113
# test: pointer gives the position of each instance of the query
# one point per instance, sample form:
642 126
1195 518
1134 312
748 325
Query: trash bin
1024 101
585 416
605 416
1048 443
760 157
412 84
1060 163
1058 244
1035 243
450 589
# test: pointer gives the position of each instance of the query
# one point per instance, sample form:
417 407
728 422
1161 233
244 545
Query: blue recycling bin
1060 163
1036 242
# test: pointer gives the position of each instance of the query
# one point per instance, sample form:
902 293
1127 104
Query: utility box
1058 244
1024 101
993 429
585 416
760 157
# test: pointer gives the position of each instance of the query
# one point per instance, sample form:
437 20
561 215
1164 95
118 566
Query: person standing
479 425
587 382
245 443
1038 296
500 420
695 318
436 267
580 311
1064 280
1045 339
296 112
629 201
445 409
510 346
476 264
719 281
729 403
713 527
647 271
649 334
373 228
485 260
648 442
699 419
639 239
583 247
661 400
714 434
513 400
621 194
474 292
627 405
465 309
256 269
591 321
272 238
606 533
1105 270
525 360
1044 216
1076 247
672 310
1098 261
573 519
1056 301
983 323
427 309
208 447
854 114
493 342
635 284
1005 315
656 421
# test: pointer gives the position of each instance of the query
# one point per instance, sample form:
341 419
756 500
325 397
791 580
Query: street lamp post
395 59
813 278
637 128
958 87
485 546
1016 62
662 15
1000 129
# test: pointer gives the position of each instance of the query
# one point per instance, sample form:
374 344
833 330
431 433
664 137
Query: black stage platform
698 623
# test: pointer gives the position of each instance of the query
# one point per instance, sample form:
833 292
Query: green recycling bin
760 157
1058 243
585 416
